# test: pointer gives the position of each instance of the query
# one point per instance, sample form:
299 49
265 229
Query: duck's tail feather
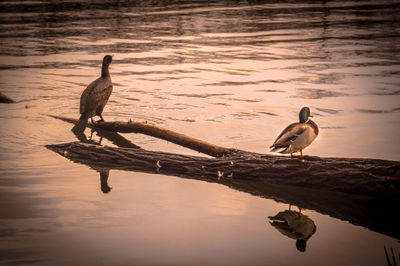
280 149
80 125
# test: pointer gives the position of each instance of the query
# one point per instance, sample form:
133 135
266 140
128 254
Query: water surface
233 73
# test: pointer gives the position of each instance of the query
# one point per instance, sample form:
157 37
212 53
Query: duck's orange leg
303 155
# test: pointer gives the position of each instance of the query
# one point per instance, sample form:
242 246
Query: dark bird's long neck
104 70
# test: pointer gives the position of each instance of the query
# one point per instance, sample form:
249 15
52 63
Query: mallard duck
297 136
95 97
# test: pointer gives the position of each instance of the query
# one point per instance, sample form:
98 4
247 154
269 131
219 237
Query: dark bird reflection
113 137
104 175
104 181
294 225
82 138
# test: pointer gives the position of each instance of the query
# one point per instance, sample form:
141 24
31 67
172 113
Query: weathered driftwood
5 99
371 177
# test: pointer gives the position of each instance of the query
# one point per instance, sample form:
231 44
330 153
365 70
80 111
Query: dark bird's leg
101 118
91 134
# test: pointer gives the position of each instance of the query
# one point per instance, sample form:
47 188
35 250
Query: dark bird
95 97
297 136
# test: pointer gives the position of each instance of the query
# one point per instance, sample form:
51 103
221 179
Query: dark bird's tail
80 125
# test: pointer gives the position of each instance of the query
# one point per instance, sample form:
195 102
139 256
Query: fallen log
362 191
5 99
371 211
371 177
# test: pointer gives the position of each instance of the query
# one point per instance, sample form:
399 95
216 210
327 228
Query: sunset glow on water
230 73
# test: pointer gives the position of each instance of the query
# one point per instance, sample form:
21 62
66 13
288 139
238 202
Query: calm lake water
233 73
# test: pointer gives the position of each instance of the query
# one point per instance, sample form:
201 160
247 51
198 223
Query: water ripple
318 93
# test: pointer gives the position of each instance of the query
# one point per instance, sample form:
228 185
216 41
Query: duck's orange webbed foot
302 155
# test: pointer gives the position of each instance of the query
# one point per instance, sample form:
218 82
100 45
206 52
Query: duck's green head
304 114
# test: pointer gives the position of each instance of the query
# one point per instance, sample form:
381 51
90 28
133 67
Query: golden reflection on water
232 75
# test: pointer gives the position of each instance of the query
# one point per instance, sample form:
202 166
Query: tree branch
157 132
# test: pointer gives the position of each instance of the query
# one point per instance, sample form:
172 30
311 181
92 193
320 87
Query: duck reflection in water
294 225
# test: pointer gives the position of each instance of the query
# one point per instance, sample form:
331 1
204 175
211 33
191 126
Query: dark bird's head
301 245
107 60
304 114
104 68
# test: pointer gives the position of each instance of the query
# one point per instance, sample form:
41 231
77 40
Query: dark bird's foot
101 119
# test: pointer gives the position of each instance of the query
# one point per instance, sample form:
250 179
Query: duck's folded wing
289 134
